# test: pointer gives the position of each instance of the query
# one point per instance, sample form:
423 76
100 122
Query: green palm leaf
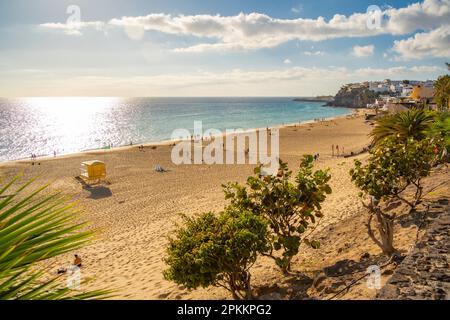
34 227
413 123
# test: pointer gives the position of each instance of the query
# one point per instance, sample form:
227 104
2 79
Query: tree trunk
248 288
287 266
240 287
386 230
418 195
385 227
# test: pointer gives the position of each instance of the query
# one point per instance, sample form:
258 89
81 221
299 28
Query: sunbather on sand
77 261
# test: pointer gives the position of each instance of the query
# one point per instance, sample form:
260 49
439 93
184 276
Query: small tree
442 92
290 208
391 169
217 250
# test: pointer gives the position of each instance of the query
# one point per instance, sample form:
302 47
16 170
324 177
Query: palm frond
36 226
413 123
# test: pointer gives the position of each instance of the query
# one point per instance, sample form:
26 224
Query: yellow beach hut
93 170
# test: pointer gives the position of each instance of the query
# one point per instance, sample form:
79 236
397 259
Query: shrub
290 208
391 169
217 250
440 129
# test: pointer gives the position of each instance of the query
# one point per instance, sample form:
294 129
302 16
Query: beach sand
137 209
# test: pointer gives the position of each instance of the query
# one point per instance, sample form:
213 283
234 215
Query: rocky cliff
354 97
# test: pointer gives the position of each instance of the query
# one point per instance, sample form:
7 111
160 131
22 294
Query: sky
150 48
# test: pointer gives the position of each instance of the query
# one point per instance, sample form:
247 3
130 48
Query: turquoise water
65 125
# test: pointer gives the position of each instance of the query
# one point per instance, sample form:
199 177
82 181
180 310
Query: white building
396 87
379 87
406 91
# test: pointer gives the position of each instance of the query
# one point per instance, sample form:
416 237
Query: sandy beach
137 208
198 141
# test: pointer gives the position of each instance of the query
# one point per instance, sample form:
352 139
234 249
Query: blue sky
215 48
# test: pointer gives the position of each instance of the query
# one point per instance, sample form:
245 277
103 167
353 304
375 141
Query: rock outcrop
425 272
354 96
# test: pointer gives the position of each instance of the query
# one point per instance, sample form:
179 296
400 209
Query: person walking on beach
337 151
332 150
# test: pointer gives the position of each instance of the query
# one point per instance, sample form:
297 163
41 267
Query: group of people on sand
202 137
34 159
338 151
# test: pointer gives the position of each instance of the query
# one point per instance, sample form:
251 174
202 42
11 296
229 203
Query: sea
44 126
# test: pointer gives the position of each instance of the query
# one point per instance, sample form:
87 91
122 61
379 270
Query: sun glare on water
70 120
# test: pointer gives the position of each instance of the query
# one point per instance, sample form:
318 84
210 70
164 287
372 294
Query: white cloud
257 30
435 43
313 53
396 71
288 82
287 61
429 14
297 9
74 28
214 47
363 51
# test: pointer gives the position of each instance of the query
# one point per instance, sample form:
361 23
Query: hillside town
398 95
387 95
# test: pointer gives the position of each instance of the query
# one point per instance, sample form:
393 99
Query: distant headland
315 99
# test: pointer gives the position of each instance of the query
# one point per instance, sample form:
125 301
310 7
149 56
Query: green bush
393 167
291 208
441 129
217 250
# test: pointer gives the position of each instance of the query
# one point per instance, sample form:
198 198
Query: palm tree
412 123
442 92
35 227
441 127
